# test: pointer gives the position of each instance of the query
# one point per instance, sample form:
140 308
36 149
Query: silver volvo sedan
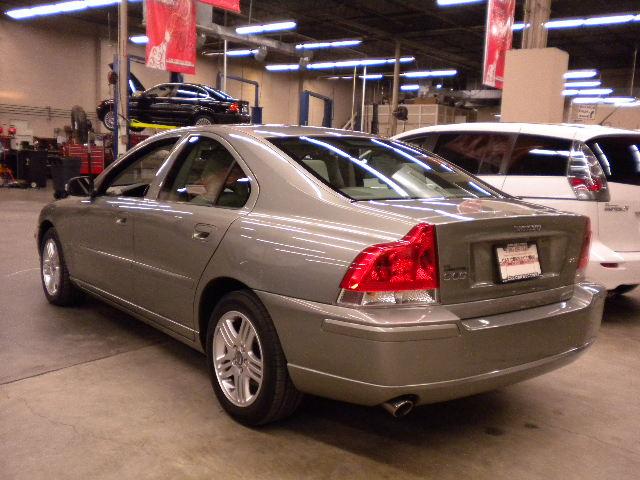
334 263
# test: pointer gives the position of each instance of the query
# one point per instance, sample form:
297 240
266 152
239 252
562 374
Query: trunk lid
469 231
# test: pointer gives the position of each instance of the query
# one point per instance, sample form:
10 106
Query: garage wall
46 71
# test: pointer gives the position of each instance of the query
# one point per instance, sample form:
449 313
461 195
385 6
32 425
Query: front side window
135 178
478 153
208 175
372 169
536 156
619 157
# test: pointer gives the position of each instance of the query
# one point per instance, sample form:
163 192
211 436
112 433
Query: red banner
498 38
231 5
171 28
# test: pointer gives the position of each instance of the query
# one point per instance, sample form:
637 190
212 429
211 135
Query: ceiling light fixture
334 44
583 84
241 53
587 91
580 74
430 73
410 87
139 39
357 63
599 21
58 8
266 28
447 3
282 67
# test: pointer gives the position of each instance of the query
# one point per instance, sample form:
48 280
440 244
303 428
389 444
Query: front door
176 235
105 254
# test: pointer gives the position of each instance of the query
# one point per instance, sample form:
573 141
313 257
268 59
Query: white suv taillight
397 273
585 174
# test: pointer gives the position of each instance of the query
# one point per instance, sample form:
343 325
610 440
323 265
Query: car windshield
364 168
619 157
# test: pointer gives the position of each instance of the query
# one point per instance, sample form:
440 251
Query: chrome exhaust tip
399 407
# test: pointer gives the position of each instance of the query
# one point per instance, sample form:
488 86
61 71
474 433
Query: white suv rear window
619 157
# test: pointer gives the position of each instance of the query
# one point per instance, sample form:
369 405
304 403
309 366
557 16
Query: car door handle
203 232
121 220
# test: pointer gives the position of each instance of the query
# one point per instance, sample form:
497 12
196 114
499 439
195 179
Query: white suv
588 169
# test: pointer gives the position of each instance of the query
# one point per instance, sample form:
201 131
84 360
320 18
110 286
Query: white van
586 169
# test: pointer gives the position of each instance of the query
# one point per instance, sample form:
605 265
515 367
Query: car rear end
477 291
235 111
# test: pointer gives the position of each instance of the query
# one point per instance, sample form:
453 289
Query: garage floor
92 393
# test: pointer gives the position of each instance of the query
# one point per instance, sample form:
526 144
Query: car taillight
401 272
583 262
585 175
234 108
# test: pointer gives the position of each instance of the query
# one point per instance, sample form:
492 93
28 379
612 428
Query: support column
394 94
533 84
123 79
536 14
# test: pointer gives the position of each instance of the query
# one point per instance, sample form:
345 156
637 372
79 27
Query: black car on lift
177 104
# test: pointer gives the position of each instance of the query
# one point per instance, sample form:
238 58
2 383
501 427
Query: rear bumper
373 355
623 268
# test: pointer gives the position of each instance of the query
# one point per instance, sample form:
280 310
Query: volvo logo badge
527 228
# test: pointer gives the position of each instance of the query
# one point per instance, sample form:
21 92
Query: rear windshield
375 169
619 157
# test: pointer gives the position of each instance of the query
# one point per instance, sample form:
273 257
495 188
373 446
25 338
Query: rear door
537 168
619 219
479 153
177 233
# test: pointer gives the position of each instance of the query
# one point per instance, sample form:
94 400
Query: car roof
560 130
280 130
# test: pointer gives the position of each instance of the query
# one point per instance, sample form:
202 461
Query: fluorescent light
591 21
439 85
430 73
357 63
334 44
587 100
241 53
139 39
516 27
410 87
266 28
583 84
57 8
281 67
595 91
621 100
371 76
580 74
446 3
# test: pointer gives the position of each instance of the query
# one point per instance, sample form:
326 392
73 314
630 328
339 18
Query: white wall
49 67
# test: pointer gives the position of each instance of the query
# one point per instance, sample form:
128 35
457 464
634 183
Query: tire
202 120
274 397
621 290
109 120
80 124
54 275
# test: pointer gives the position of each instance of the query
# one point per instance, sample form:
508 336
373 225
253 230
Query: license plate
518 261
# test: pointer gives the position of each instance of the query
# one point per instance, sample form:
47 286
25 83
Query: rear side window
537 156
619 157
478 153
424 140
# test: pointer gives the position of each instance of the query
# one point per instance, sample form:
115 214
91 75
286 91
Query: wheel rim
109 120
237 358
203 121
51 270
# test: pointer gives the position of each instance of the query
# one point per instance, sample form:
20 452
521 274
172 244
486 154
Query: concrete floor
92 393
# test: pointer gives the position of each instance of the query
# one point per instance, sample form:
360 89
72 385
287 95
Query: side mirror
80 187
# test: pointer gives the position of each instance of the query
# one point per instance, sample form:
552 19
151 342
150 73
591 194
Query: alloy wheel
203 121
51 270
237 358
109 120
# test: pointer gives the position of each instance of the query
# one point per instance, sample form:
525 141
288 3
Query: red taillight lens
593 184
586 244
234 108
585 174
410 264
